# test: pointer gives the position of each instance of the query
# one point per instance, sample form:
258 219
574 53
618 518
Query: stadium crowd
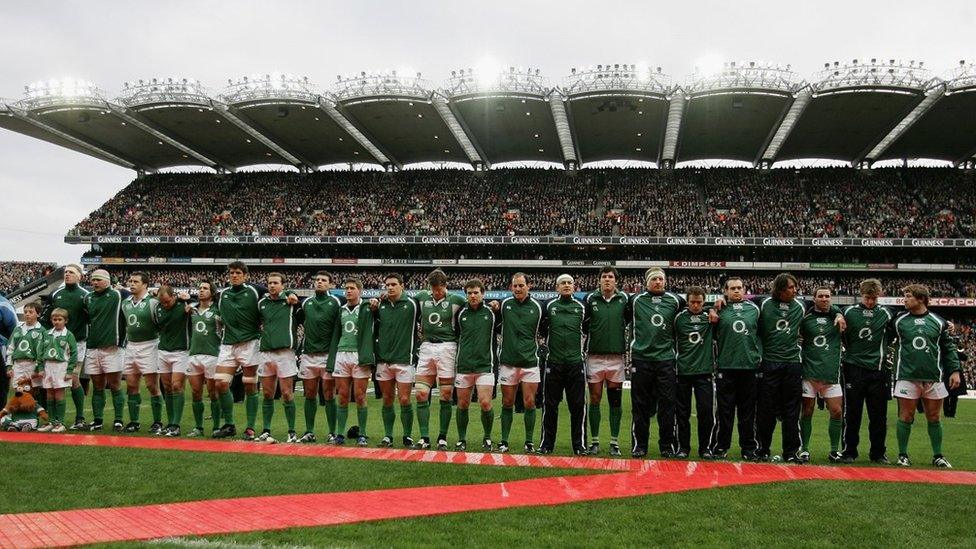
585 280
14 274
919 202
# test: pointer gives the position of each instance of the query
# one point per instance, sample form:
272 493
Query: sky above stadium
46 189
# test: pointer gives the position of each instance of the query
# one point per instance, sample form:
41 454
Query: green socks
595 423
118 402
806 429
227 407
903 431
78 398
529 424
445 419
834 428
267 412
462 424
168 402
134 402
342 415
508 414
487 419
290 413
423 417
406 419
197 407
215 413
98 404
178 401
58 409
311 406
935 437
389 416
616 412
330 414
251 409
156 405
363 414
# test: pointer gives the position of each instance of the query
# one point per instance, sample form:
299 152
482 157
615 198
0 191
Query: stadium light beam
710 63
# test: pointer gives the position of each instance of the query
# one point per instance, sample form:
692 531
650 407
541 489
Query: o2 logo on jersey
657 320
52 353
821 342
201 328
739 327
23 346
919 343
695 338
434 319
133 321
865 333
783 325
349 327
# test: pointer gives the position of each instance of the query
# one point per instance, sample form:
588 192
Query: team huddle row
746 361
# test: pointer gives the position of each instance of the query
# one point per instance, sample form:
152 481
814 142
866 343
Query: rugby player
202 363
351 358
695 361
278 365
821 339
477 327
319 315
141 358
925 351
654 375
436 358
608 309
396 345
174 357
105 352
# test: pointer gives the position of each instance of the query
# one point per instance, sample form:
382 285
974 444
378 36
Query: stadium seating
14 274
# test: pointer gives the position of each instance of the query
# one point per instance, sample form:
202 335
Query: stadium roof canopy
856 112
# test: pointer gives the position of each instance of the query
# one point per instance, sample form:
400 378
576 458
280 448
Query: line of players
751 361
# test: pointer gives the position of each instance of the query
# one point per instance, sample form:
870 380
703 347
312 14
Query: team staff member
609 312
438 350
867 379
319 315
695 361
821 372
523 321
476 360
654 380
925 351
738 357
70 297
396 347
105 353
564 367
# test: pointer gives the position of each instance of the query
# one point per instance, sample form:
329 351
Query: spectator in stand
14 274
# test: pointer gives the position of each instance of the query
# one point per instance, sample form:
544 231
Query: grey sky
46 189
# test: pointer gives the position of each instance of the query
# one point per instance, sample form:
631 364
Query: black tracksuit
571 379
780 397
872 388
736 396
654 389
701 386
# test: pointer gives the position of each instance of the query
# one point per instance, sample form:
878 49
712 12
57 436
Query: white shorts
54 374
403 373
205 365
281 363
510 375
141 358
173 362
239 354
19 425
437 359
82 349
814 387
605 367
931 390
466 381
28 369
105 360
347 365
314 366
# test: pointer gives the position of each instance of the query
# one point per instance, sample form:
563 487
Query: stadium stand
930 202
14 274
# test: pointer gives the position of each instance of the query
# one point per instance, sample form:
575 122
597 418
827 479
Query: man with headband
106 336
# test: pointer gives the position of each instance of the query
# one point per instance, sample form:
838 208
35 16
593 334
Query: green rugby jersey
278 327
437 318
319 314
477 342
925 349
695 343
607 329
396 330
25 342
174 327
141 319
779 328
354 334
523 322
106 323
205 336
71 298
737 336
238 310
866 337
821 346
566 329
59 347
652 317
